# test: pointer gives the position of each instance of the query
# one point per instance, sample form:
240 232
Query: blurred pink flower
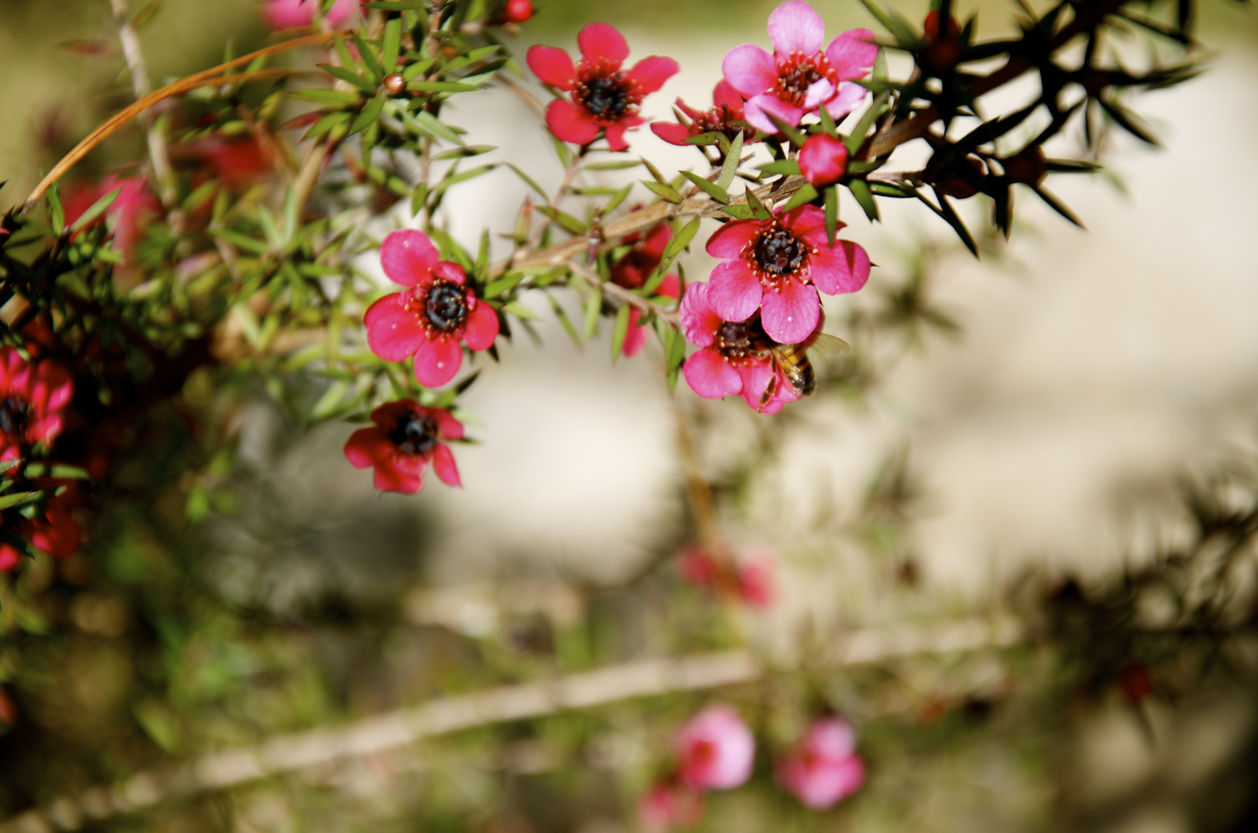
289 14
755 581
715 749
798 77
403 441
823 768
32 398
132 208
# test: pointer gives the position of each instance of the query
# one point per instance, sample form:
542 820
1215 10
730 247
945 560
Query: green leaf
784 167
369 114
328 98
950 216
665 192
349 76
730 168
790 131
620 331
565 321
617 198
392 42
864 197
56 214
567 221
682 239
145 15
832 213
613 166
758 208
867 120
896 24
528 180
655 172
327 404
18 499
713 190
1057 205
504 284
593 306
98 208
518 310
803 196
442 87
430 123
739 212
368 57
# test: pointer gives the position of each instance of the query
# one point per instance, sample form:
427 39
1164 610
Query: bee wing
828 345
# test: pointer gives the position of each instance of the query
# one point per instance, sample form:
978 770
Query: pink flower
822 160
727 109
55 531
751 581
777 265
824 767
798 77
32 398
289 14
517 11
133 207
631 272
666 806
755 581
715 750
605 98
405 438
429 319
735 358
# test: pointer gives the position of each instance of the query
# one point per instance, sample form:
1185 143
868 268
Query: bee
791 364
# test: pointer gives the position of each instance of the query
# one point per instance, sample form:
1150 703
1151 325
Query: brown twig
159 156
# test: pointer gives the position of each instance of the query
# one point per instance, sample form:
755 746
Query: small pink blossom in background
54 530
798 77
715 750
32 398
604 98
631 272
405 438
823 160
751 581
431 317
727 109
777 266
132 209
290 14
517 11
755 581
823 768
666 806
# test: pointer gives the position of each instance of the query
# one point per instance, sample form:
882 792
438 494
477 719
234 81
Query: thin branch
648 678
620 293
159 156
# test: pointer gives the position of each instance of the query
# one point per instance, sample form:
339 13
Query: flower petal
789 316
749 69
393 331
552 65
437 361
635 336
570 123
852 54
367 447
840 270
651 73
408 256
449 427
758 105
390 478
818 91
795 26
698 322
735 291
443 464
674 134
726 96
615 132
482 326
601 42
849 98
448 271
730 239
710 376
755 378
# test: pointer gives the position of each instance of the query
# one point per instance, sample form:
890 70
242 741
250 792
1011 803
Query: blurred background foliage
261 594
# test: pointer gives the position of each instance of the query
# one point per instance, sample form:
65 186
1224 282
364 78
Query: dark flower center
606 97
718 120
778 253
414 434
15 415
446 305
799 72
741 341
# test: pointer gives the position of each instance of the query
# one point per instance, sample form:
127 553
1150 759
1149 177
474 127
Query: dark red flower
54 531
406 437
517 11
604 98
430 319
777 266
631 272
32 398
726 116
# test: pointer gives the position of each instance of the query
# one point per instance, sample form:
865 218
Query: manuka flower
777 265
32 397
715 750
404 439
726 111
429 319
132 209
824 768
288 14
631 272
736 356
798 77
604 98
54 530
668 805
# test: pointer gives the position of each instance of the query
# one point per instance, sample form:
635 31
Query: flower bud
823 160
394 84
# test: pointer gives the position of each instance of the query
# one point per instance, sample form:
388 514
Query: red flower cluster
431 318
406 437
823 768
750 581
726 116
132 208
715 751
32 399
604 98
